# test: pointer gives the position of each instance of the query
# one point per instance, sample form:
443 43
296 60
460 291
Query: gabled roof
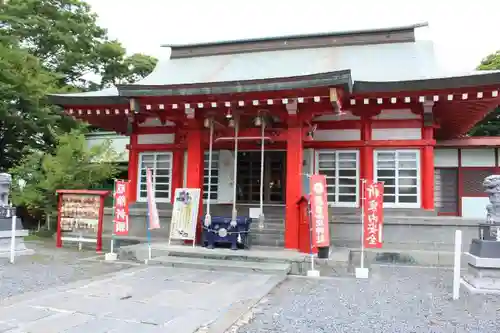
390 29
386 67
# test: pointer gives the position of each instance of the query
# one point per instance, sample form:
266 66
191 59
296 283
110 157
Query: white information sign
185 214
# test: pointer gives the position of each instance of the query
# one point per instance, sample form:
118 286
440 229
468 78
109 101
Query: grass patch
32 238
40 235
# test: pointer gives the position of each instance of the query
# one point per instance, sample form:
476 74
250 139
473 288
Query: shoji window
215 176
160 164
341 170
399 170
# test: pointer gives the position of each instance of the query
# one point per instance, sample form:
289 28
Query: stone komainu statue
5 182
491 185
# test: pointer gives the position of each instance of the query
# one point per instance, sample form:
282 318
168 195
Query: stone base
485 248
20 248
483 274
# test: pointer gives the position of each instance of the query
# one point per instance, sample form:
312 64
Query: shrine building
247 121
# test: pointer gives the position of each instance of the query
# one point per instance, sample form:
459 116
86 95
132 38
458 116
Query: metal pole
262 147
457 267
113 224
235 213
208 217
363 185
13 238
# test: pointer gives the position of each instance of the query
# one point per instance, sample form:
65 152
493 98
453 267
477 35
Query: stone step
223 265
268 240
268 230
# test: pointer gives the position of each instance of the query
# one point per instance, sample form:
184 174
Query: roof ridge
300 36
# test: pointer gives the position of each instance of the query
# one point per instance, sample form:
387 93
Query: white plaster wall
155 138
337 135
446 158
397 114
118 142
155 122
396 134
481 157
474 207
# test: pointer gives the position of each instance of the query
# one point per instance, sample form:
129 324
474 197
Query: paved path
142 299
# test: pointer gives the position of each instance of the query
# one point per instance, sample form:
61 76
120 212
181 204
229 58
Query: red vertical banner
121 213
319 211
373 215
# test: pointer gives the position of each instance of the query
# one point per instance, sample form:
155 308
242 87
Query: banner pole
363 223
362 272
148 231
312 272
112 245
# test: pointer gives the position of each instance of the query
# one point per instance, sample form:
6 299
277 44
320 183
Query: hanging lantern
231 122
229 114
206 122
258 121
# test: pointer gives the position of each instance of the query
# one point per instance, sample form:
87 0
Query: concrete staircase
274 226
271 235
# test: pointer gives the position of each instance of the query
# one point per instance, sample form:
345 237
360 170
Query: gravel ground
395 299
49 267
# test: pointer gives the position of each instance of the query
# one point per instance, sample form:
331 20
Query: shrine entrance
249 173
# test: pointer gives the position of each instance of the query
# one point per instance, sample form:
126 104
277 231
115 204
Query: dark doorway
249 164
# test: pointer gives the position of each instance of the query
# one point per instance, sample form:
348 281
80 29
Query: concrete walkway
144 299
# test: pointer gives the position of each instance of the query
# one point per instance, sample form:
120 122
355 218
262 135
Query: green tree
49 46
24 120
490 125
116 68
65 36
73 165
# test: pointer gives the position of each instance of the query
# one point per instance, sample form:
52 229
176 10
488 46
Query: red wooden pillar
177 168
195 166
133 167
427 173
366 153
293 183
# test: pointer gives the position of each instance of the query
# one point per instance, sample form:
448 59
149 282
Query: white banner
153 218
185 213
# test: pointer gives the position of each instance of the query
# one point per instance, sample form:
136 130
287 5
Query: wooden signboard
80 217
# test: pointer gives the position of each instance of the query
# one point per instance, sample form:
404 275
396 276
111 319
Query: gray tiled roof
378 67
379 62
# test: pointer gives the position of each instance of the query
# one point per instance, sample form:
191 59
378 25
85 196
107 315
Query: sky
463 31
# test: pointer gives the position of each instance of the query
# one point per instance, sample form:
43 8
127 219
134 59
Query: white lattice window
215 176
160 164
341 170
399 170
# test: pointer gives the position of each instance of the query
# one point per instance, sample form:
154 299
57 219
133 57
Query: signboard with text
185 214
319 211
80 217
373 215
121 209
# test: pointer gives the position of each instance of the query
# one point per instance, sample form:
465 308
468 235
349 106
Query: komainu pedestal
483 258
6 212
